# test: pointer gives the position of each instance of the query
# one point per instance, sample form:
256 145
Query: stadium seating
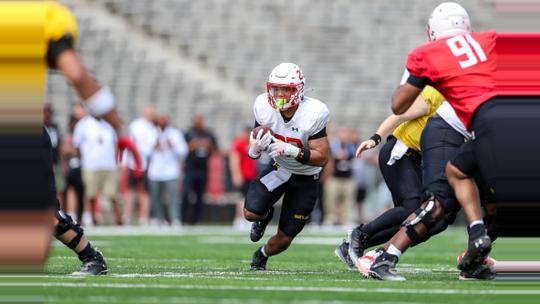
351 53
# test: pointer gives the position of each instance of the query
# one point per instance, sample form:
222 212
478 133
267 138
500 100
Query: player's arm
418 109
404 96
98 99
318 152
414 79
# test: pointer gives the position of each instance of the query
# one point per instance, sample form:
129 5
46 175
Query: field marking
192 275
273 288
227 274
243 240
228 300
330 231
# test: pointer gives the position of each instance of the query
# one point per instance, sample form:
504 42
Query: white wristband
291 151
101 103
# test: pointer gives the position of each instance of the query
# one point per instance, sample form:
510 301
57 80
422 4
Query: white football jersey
310 118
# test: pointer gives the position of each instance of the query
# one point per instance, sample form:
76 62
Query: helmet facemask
285 101
285 86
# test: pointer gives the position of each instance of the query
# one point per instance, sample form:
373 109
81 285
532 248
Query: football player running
61 30
299 147
462 75
400 162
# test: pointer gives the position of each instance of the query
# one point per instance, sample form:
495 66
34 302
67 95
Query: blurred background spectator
340 187
143 133
96 141
56 139
164 171
73 193
359 172
201 143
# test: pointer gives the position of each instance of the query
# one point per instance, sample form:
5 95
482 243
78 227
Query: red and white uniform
462 68
310 118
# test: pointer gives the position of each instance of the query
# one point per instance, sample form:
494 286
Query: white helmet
447 20
288 75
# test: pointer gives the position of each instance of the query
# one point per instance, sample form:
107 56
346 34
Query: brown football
264 128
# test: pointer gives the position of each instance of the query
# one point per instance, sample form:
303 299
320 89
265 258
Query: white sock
476 223
264 252
394 251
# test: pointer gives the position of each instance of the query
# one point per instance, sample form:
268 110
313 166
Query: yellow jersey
409 132
30 33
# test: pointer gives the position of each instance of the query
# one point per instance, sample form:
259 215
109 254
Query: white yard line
228 300
242 240
273 288
339 232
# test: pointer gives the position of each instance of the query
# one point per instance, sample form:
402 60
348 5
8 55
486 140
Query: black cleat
481 272
343 254
384 268
258 227
258 262
93 266
357 243
477 251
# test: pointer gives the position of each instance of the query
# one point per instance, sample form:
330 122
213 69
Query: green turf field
210 265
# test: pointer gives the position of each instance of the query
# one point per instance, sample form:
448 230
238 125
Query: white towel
397 153
276 178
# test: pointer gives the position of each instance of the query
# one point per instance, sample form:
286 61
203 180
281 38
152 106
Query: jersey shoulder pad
319 113
262 110
416 61
60 22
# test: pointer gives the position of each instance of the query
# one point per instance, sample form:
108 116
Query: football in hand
265 130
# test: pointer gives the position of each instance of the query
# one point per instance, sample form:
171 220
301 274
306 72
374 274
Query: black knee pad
440 226
424 216
66 223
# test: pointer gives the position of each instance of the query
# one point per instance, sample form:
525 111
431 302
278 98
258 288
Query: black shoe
481 272
357 243
258 262
93 266
477 251
342 252
258 227
384 268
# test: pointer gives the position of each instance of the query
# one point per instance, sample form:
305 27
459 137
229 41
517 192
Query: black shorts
26 172
505 152
300 194
500 168
439 144
465 160
133 182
